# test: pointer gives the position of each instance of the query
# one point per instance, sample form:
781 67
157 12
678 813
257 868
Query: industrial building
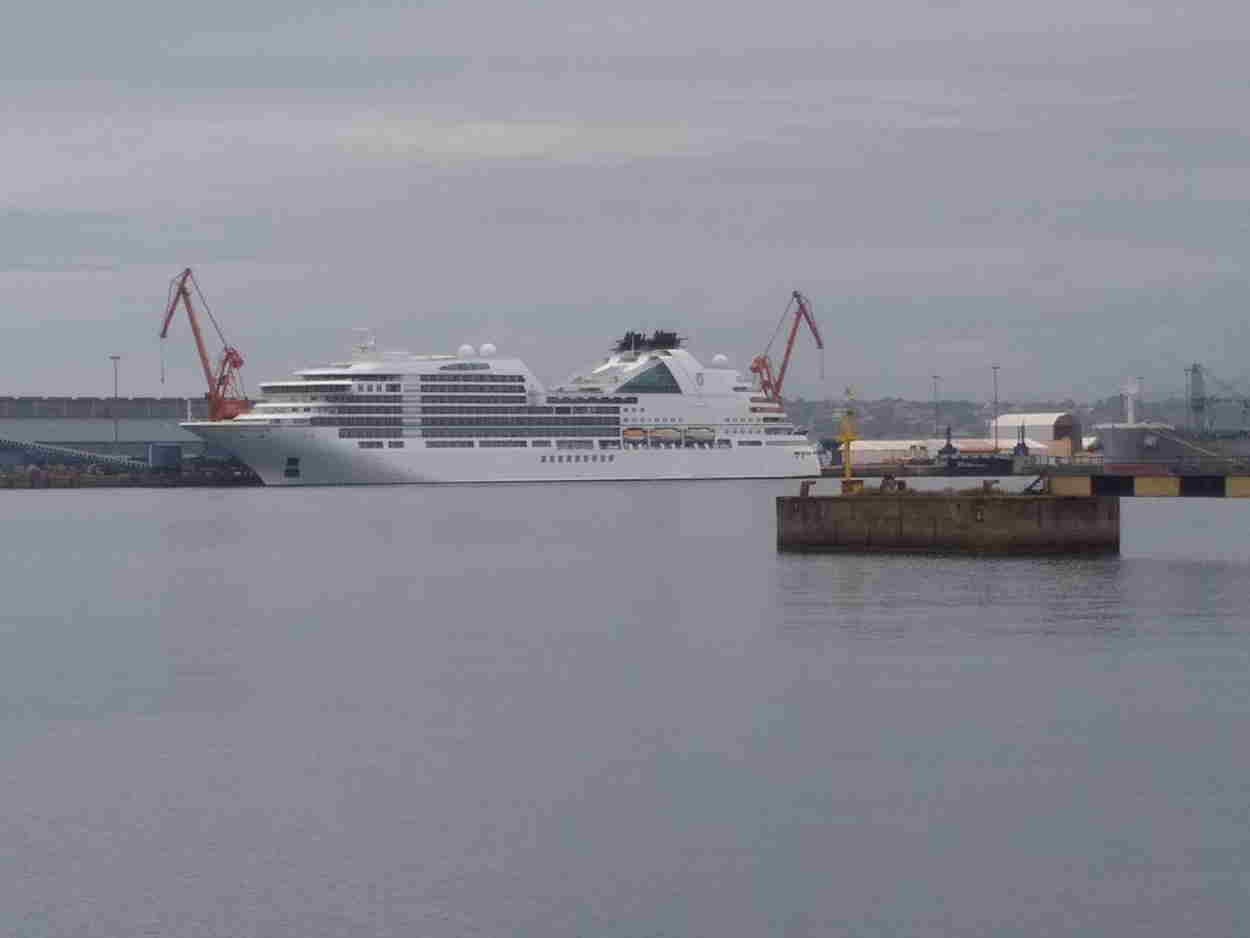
111 426
1059 433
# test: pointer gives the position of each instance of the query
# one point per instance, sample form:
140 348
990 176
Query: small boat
634 434
666 434
700 434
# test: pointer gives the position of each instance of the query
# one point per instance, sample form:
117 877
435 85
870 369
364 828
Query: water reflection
613 710
886 597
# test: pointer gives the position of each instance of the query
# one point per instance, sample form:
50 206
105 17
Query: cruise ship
649 410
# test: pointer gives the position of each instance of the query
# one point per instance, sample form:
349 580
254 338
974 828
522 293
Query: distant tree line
896 418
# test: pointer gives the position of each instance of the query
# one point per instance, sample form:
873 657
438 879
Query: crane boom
181 294
225 396
762 365
801 313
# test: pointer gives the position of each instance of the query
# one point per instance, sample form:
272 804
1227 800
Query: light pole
937 414
995 367
116 360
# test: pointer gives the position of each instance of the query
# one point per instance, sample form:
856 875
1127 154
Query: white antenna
1131 390
367 345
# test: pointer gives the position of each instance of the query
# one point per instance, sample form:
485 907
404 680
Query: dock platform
983 523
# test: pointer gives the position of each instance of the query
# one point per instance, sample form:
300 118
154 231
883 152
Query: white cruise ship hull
322 458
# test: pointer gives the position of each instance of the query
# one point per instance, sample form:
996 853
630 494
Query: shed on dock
1059 432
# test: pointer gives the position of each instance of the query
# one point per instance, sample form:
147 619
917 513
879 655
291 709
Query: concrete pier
981 524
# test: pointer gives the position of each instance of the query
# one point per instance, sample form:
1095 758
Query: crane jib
771 383
225 392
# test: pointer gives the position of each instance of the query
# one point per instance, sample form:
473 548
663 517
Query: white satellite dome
487 350
465 351
719 359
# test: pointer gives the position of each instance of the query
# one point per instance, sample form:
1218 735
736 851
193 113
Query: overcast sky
1059 187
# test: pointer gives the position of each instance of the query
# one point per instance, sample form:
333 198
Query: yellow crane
846 436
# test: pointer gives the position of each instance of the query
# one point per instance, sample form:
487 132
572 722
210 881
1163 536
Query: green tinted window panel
655 380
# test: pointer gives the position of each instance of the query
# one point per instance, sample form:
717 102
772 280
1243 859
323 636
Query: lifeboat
665 435
634 434
700 434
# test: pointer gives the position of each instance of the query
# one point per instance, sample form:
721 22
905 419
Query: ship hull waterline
317 456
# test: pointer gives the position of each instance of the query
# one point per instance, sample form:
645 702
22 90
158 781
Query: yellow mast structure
846 432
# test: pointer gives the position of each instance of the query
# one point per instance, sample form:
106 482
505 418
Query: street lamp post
995 367
116 360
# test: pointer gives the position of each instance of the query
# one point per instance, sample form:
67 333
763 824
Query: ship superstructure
649 410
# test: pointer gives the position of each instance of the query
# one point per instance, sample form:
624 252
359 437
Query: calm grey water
608 711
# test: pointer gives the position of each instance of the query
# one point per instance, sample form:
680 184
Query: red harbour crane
225 390
762 365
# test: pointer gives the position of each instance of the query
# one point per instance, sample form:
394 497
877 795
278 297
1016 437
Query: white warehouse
1059 432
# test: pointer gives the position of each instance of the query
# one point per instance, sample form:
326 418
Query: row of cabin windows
464 389
583 399
470 399
560 444
532 421
456 379
592 457
678 444
543 426
487 432
287 398
308 387
509 431
370 433
356 421
363 409
517 444
297 388
316 407
366 408
369 377
526 409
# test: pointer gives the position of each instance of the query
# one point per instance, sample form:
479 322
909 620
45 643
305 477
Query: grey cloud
1052 186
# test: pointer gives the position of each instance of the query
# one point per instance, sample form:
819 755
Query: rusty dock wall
981 524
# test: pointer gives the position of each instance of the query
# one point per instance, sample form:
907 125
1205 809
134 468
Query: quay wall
1150 486
990 524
